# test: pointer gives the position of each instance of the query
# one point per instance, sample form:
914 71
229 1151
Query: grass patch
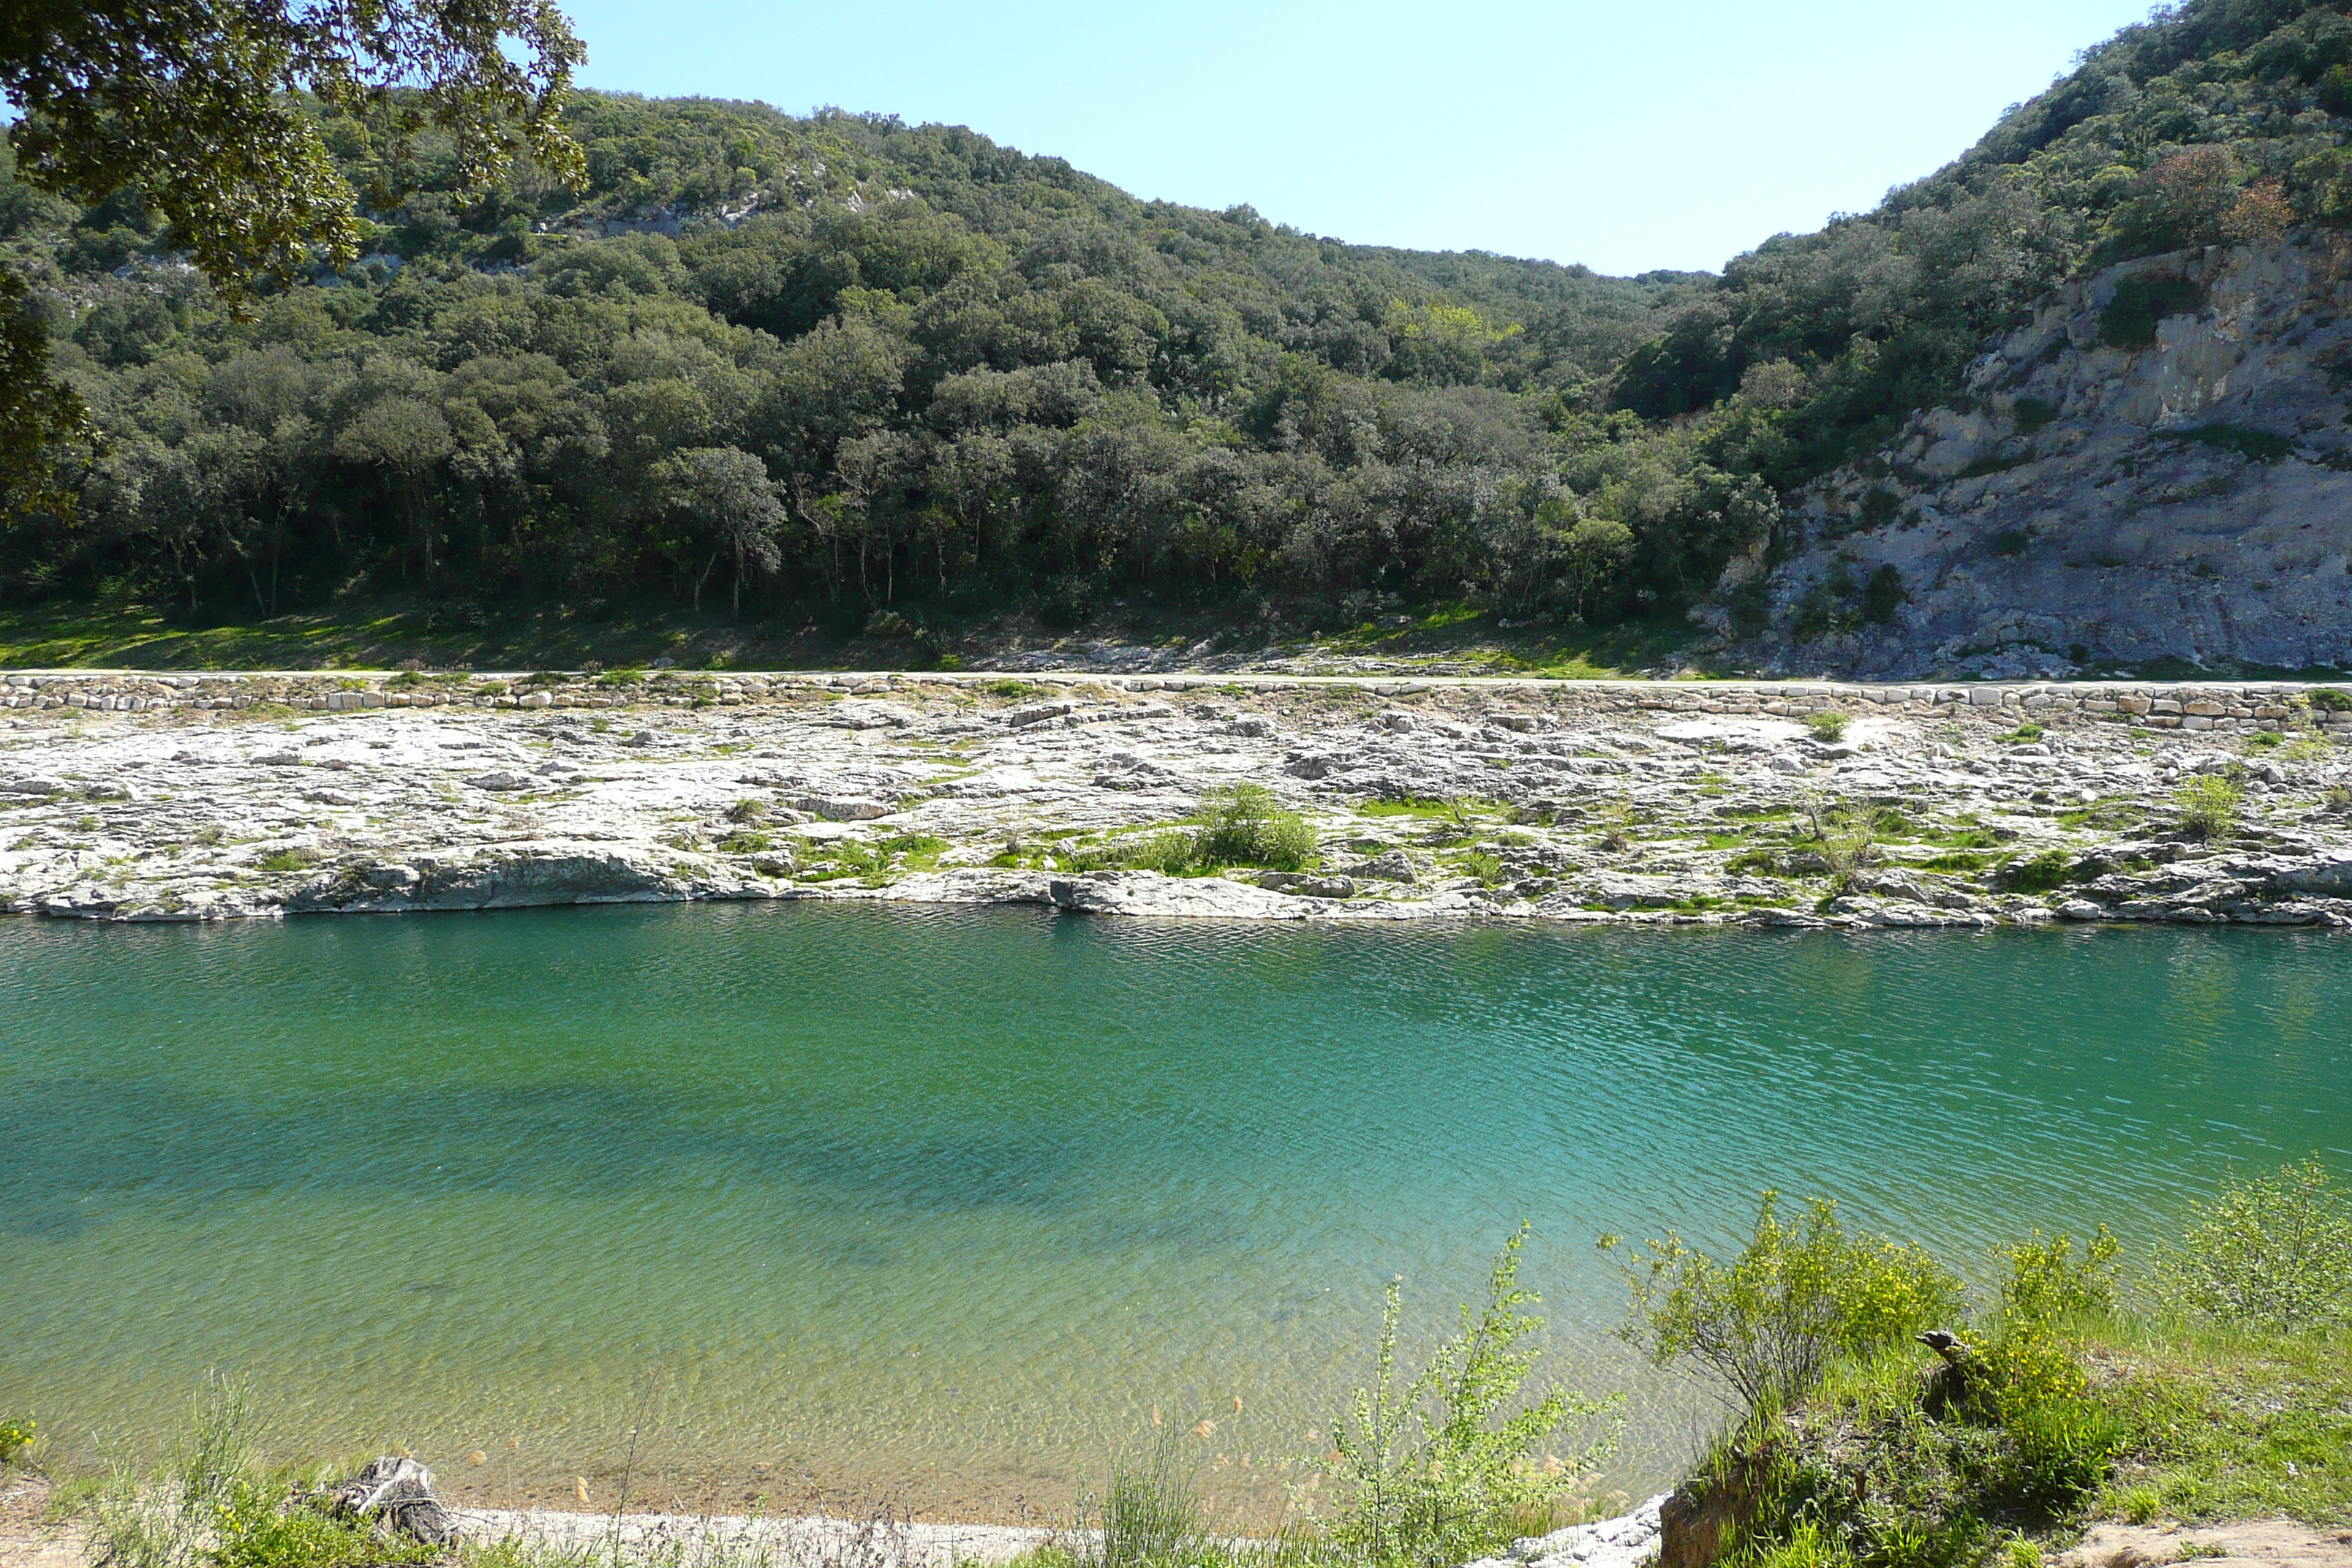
299 858
1954 860
1245 824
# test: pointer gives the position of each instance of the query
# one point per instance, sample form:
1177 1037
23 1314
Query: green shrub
2046 1283
15 1436
2033 413
1883 595
1442 1469
2254 446
2209 805
2328 700
746 841
1770 1320
2269 1252
2139 303
1245 825
748 811
2023 735
1826 726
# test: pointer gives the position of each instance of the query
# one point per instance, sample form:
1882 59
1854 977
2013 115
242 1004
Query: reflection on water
953 1199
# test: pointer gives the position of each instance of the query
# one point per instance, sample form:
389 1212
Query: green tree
725 496
200 106
195 104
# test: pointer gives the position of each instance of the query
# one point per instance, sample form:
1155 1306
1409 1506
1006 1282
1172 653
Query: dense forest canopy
838 363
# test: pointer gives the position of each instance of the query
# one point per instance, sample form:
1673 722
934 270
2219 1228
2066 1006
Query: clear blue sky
1624 135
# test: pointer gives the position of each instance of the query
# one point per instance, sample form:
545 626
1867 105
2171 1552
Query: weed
1486 869
1615 821
1827 727
1439 1470
1845 839
1245 825
748 811
15 1436
1149 1517
2330 699
2023 735
1012 688
2138 1504
2264 740
2209 805
216 1507
2046 872
746 841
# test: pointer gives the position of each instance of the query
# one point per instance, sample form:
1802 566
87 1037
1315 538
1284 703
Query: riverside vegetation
849 373
2213 1385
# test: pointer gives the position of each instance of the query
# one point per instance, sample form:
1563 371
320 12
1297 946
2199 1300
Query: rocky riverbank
211 797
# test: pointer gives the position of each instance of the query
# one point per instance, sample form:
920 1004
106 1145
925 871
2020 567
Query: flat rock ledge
183 797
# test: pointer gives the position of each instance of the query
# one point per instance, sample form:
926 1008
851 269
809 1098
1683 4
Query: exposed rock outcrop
2159 467
183 798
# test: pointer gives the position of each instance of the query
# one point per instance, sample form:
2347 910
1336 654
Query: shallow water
948 1202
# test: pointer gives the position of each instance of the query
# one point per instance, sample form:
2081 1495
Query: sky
1627 136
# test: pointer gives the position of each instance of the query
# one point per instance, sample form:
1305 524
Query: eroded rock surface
222 797
2101 501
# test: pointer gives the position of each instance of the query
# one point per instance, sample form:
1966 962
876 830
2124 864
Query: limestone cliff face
2157 468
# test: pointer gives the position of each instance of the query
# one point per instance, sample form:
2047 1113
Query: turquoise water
948 1202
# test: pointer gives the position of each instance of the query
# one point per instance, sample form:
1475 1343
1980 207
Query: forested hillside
834 364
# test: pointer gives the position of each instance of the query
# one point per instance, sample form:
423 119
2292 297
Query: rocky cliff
2155 472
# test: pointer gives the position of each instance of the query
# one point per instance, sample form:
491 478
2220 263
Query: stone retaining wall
2205 706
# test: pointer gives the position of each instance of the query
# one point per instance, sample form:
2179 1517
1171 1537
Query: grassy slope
2257 1426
